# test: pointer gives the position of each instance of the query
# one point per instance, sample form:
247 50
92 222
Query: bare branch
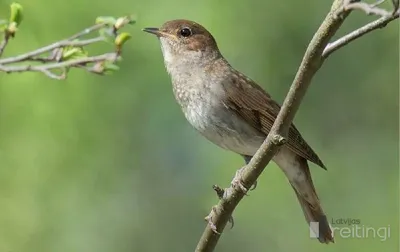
377 24
316 53
369 9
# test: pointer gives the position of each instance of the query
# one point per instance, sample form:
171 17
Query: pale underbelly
225 129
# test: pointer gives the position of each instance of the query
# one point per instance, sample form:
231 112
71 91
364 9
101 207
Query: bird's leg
237 181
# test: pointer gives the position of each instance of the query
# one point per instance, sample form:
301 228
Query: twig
57 61
369 9
310 64
91 29
380 23
4 42
46 68
48 48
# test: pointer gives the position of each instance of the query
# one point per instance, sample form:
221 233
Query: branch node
278 140
220 191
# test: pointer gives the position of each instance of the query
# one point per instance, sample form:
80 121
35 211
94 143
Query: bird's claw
208 218
254 186
210 222
231 221
237 182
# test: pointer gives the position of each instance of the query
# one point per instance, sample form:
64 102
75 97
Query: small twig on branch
4 42
377 24
313 59
369 9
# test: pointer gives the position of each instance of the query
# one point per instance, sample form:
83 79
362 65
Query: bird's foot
254 186
210 222
220 193
237 182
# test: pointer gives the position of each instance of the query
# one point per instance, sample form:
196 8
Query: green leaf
121 39
110 67
106 20
122 21
73 53
16 14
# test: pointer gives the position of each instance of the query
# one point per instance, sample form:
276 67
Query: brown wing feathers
257 107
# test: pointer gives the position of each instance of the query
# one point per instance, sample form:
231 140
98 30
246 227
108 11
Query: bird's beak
154 31
158 33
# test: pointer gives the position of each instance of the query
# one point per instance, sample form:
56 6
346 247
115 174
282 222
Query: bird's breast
206 112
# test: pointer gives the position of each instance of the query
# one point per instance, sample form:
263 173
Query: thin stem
51 56
339 43
4 42
48 48
63 64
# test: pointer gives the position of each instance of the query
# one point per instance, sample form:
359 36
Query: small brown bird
232 111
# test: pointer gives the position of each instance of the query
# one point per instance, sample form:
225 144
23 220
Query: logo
349 228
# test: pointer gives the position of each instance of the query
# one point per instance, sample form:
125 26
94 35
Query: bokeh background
109 163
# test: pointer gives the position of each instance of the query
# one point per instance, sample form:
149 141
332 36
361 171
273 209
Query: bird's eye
185 32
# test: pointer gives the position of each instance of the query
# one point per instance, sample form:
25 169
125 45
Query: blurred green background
110 164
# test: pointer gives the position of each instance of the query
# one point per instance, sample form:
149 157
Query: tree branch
67 53
312 61
377 24
369 9
80 62
57 45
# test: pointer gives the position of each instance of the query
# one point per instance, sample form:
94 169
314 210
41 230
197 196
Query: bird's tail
316 219
309 202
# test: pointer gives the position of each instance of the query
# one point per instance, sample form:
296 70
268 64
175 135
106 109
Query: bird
233 111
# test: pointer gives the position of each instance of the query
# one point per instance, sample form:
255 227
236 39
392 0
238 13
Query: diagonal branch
318 50
312 61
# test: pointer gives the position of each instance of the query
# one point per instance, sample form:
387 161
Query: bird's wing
257 107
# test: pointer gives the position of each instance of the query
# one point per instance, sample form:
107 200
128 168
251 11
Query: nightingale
233 112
